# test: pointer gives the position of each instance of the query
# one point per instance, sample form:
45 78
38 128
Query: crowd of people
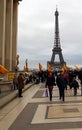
61 79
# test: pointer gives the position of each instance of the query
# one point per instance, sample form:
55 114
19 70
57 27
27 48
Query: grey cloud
36 30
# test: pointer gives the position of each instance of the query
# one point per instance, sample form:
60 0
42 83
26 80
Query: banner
3 70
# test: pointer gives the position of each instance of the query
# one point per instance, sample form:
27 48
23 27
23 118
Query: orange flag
49 68
3 70
40 67
26 66
65 68
77 68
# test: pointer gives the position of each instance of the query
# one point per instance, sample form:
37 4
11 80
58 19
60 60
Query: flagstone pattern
35 112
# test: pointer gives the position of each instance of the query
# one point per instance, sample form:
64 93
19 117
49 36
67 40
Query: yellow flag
3 70
40 67
65 68
26 66
77 68
49 68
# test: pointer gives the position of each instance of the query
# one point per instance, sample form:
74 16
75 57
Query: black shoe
50 99
20 96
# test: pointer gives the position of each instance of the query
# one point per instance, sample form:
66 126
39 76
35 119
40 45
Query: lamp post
16 70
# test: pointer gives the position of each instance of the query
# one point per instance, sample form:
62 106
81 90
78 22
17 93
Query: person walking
75 85
20 84
80 78
50 83
15 82
60 81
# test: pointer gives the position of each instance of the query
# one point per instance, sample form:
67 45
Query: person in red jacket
50 83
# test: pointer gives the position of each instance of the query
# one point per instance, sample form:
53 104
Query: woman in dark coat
20 84
50 83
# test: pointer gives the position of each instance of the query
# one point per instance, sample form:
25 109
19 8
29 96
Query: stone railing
6 85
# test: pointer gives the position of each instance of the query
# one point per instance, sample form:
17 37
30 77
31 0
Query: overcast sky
36 26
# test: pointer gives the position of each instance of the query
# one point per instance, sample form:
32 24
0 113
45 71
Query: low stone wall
5 100
6 85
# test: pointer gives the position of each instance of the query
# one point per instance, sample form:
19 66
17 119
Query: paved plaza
35 112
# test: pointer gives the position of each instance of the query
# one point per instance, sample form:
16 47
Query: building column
14 34
8 34
2 30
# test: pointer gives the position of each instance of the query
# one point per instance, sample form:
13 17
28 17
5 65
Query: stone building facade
8 33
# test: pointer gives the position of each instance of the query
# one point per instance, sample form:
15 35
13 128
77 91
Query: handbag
46 92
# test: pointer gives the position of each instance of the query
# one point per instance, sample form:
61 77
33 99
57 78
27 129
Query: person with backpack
75 85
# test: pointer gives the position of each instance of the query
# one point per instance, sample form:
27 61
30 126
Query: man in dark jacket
60 81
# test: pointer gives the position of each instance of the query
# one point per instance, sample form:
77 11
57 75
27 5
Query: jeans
50 93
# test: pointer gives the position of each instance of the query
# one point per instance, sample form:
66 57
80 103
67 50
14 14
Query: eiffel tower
57 47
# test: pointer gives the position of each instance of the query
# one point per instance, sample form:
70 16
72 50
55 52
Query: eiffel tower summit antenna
56 7
57 47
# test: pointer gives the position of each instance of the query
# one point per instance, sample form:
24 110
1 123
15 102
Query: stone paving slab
41 114
23 121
